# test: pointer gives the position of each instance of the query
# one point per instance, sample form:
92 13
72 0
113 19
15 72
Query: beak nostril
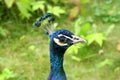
76 38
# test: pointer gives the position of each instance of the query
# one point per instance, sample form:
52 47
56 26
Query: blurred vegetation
24 50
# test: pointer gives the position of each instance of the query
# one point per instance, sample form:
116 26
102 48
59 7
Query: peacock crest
46 23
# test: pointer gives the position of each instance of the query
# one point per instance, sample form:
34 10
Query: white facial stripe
59 43
66 37
60 35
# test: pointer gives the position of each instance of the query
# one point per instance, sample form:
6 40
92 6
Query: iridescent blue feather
37 24
51 20
41 19
46 16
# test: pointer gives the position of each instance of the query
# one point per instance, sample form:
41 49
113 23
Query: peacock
60 41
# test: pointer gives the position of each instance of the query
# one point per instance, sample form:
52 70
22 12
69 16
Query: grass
26 53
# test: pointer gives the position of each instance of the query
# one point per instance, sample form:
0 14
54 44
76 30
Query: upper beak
77 39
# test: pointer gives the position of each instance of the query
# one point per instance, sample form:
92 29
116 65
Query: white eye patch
59 43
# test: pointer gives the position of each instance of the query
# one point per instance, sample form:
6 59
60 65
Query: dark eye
62 39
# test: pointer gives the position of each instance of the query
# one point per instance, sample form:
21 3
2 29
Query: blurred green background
24 50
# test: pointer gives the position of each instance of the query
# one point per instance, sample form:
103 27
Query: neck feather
56 62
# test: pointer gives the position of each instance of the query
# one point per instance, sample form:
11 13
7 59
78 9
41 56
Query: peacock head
63 39
59 39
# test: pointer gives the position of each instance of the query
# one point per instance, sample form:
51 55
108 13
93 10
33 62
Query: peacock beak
77 39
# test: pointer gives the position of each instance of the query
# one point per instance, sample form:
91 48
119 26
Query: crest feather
47 22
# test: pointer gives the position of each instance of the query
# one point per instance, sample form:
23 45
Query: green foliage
103 10
75 48
55 10
3 32
24 8
27 7
97 37
89 32
38 5
7 74
105 62
9 3
106 11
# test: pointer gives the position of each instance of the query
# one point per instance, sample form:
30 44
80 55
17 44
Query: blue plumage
41 19
51 20
60 41
46 16
37 24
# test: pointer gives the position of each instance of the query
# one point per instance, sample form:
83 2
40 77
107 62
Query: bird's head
63 39
60 39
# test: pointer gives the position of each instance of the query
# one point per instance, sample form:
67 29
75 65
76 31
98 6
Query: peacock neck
56 63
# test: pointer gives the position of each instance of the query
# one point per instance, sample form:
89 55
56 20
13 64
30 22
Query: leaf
38 5
90 38
77 24
56 10
74 48
9 3
24 7
97 37
85 28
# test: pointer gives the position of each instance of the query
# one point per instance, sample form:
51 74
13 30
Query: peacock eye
62 39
